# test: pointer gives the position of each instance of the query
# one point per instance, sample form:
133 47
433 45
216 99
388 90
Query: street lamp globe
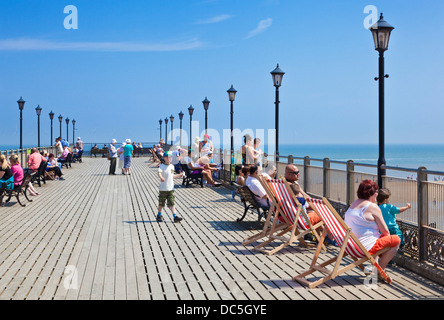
277 75
381 34
231 93
38 110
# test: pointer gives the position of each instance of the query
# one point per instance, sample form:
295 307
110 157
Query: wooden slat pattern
104 227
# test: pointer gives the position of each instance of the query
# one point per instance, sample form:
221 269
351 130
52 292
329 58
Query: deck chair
289 217
156 159
265 232
347 242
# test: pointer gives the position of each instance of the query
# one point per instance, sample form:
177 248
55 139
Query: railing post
423 218
326 177
290 159
306 173
350 183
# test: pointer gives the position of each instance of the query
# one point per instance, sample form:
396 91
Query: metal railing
338 181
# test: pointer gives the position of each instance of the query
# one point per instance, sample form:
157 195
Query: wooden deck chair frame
294 217
156 160
348 245
274 211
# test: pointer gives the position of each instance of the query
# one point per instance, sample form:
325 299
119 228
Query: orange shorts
384 242
314 218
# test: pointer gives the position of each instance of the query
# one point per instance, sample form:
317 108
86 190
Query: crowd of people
12 172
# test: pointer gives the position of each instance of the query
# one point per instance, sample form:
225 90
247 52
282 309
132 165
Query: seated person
270 171
19 175
200 166
54 166
240 179
207 171
34 160
256 187
365 218
6 175
65 153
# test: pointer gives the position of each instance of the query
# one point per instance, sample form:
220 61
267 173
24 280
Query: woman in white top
365 219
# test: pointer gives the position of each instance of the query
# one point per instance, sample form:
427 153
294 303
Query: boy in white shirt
166 187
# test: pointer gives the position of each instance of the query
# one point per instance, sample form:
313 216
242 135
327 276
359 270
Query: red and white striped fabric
286 202
336 229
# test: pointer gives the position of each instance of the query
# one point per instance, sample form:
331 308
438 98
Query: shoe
310 238
159 218
177 219
61 179
330 242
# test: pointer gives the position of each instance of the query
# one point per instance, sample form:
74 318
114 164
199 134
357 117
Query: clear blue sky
131 63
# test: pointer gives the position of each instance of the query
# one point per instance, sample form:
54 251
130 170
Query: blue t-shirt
389 213
127 149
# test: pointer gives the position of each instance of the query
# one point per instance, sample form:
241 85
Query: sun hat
128 141
113 141
167 154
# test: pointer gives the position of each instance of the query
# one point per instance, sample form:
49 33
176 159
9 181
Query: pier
95 237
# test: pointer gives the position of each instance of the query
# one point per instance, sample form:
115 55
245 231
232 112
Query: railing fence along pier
338 181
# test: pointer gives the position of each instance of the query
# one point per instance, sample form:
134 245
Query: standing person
112 157
205 146
120 154
389 212
59 147
166 187
79 144
128 151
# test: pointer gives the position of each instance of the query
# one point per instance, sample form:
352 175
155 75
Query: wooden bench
99 151
250 203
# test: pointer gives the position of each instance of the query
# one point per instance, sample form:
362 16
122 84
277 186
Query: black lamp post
381 34
206 104
67 135
171 119
277 75
166 130
38 110
73 131
160 130
180 118
231 96
51 117
21 105
60 120
190 111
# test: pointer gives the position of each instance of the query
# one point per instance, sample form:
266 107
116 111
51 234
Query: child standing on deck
389 212
166 187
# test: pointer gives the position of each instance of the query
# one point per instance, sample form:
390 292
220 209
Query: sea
410 156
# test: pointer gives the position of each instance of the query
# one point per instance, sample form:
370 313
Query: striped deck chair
347 242
274 208
291 216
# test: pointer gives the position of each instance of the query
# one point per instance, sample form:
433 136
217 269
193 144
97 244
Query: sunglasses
294 172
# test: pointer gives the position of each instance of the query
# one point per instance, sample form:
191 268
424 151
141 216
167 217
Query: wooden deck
94 237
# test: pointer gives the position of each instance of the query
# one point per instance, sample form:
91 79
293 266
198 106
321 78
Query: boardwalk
94 236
